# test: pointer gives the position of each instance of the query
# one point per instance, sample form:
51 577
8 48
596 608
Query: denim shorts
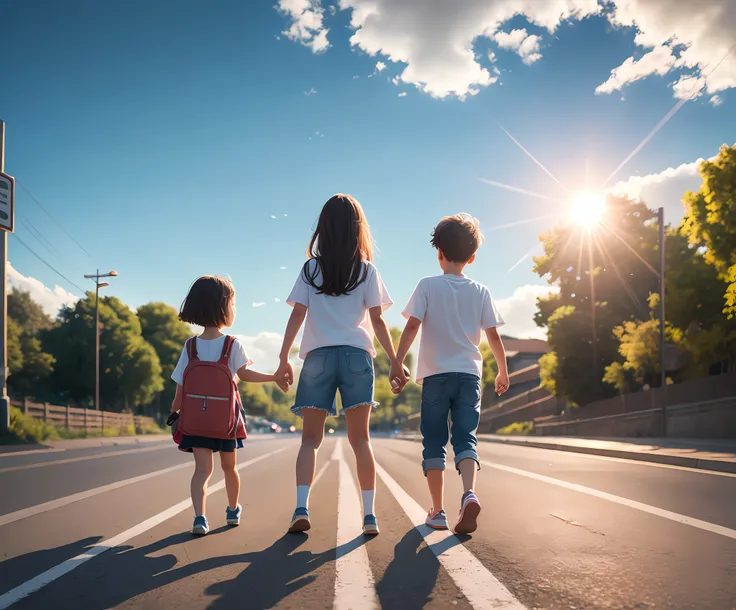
329 369
455 396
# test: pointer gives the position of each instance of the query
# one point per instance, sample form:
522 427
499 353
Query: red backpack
210 402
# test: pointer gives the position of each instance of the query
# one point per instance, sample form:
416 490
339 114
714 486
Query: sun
587 208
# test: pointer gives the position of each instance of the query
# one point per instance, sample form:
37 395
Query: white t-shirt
342 320
454 311
210 350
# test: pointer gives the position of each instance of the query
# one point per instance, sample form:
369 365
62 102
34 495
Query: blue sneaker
300 521
370 525
233 516
437 519
200 527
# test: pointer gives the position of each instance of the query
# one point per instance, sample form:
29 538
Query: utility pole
96 277
6 226
662 369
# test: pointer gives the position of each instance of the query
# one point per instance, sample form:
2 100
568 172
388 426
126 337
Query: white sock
302 496
368 495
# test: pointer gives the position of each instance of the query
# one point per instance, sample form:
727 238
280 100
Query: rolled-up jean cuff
466 455
372 403
433 464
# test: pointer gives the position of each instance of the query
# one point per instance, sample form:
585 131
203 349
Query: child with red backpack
207 399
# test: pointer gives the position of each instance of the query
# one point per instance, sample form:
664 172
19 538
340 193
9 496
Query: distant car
276 428
292 429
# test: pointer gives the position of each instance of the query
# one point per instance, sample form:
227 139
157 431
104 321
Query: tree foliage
710 219
130 371
162 329
29 364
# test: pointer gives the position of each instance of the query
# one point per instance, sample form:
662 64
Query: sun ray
526 221
672 112
634 252
606 255
523 258
516 189
532 157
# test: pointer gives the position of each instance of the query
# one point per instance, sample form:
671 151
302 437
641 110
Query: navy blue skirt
214 444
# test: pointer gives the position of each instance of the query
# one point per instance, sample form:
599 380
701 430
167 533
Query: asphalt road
108 527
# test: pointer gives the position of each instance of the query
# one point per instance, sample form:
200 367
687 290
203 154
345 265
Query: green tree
162 329
611 262
29 364
710 219
639 347
130 371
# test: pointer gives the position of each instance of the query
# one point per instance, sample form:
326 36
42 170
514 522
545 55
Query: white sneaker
437 520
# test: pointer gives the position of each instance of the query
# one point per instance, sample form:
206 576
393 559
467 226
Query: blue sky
166 136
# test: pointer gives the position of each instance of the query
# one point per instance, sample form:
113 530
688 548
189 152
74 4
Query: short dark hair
457 237
208 302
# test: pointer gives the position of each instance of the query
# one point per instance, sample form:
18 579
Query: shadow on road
271 575
17 570
410 577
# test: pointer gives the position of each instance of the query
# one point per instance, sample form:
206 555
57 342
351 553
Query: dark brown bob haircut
457 237
341 244
208 302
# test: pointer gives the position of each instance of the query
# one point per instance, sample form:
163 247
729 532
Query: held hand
399 376
502 383
282 382
285 372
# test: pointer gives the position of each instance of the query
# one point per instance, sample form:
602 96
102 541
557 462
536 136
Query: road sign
7 208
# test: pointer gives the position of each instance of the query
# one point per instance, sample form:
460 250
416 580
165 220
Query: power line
52 217
31 228
39 257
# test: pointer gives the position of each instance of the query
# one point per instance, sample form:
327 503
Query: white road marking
481 588
652 510
355 587
607 458
82 495
49 576
84 458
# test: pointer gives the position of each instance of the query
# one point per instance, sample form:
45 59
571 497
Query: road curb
669 460
81 443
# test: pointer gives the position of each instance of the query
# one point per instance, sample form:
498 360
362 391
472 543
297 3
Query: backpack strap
192 349
226 348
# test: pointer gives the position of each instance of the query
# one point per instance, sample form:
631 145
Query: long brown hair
340 245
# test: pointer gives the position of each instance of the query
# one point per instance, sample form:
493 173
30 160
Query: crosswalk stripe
38 582
355 587
481 588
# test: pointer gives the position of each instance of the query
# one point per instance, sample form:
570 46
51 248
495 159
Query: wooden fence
89 420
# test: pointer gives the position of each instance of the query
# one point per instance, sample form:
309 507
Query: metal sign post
7 192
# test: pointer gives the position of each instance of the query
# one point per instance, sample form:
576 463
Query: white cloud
435 38
380 66
307 23
273 217
51 300
689 86
258 304
716 100
518 311
402 94
664 189
312 91
282 268
264 350
526 45
658 61
277 300
703 31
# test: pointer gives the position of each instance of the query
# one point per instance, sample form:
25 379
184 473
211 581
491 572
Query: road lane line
82 495
647 508
52 574
481 588
84 458
355 587
29 452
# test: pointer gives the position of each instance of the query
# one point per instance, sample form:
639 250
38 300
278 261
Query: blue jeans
457 396
328 369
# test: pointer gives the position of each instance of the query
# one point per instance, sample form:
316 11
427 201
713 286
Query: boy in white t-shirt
452 310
